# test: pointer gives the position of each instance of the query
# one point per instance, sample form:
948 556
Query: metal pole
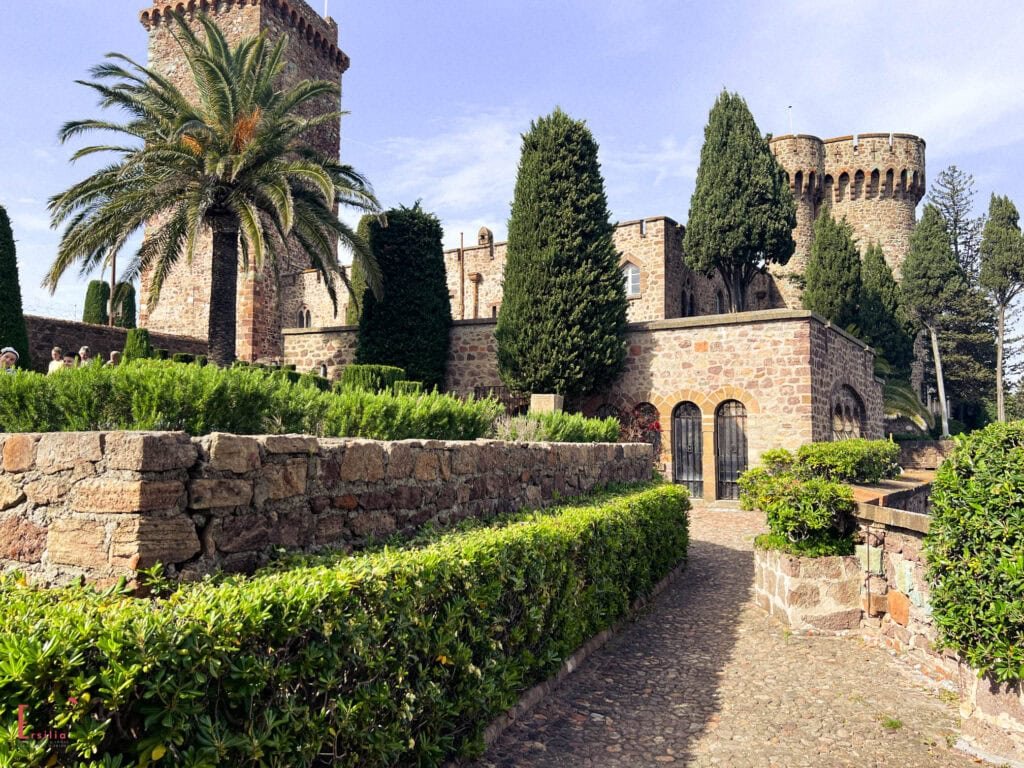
462 276
790 110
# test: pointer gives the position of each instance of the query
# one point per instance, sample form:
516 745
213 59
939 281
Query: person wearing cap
8 359
56 360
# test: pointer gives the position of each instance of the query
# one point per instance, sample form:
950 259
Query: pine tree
408 326
97 299
833 280
967 342
562 324
742 212
931 278
953 194
12 319
882 320
1002 275
124 305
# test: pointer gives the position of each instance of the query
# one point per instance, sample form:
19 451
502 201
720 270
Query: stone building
266 303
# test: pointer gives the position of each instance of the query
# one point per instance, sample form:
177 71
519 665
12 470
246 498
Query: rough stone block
402 459
546 403
372 524
463 459
19 452
10 494
805 595
78 541
207 494
64 450
899 607
21 540
49 489
331 528
835 622
363 463
106 495
294 529
141 541
242 533
233 453
845 592
283 481
149 452
427 468
289 444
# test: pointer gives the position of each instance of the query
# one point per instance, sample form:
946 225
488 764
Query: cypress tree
408 325
357 278
562 323
1002 275
124 305
97 299
12 318
931 279
742 213
137 345
833 276
882 320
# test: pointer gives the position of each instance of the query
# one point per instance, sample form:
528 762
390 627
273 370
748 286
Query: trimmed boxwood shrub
975 550
399 657
557 427
372 378
402 387
137 345
151 394
849 461
97 299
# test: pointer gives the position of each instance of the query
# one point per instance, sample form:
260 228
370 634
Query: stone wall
843 370
925 454
103 504
809 594
45 333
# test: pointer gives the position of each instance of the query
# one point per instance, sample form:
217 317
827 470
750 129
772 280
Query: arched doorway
730 447
687 449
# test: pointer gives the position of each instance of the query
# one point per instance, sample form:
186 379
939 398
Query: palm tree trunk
223 291
1001 331
939 381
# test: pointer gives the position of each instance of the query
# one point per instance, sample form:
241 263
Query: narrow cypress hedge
975 550
372 378
97 297
124 305
400 657
137 345
12 320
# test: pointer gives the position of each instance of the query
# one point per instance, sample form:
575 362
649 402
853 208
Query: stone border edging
541 690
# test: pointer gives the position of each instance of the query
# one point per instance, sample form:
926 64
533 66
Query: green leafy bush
975 550
849 461
402 387
137 345
372 378
557 427
398 657
183 357
151 394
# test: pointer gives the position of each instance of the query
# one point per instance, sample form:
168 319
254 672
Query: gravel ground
705 678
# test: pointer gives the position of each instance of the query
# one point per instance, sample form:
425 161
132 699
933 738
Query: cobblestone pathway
706 679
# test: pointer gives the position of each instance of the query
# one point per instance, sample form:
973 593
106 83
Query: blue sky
439 94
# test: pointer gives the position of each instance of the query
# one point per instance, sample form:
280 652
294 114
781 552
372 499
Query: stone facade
924 454
103 504
45 333
810 594
992 717
266 303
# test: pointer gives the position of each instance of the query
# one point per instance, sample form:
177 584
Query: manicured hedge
399 657
975 550
557 428
151 394
372 378
849 461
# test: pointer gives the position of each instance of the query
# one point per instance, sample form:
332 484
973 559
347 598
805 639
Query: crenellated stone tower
874 180
265 303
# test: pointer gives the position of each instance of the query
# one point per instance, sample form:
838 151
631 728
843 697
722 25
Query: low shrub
159 395
399 657
371 378
557 428
137 345
849 461
402 387
975 550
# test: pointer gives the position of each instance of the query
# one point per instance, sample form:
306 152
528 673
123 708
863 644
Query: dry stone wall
101 505
819 594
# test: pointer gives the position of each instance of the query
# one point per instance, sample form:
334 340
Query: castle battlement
301 22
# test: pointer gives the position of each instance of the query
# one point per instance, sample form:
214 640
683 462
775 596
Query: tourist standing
8 359
56 360
84 356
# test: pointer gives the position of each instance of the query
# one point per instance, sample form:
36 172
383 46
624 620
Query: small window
686 304
719 303
302 318
494 311
631 274
309 320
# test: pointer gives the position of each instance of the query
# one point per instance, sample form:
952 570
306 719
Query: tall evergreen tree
742 212
1002 275
356 276
882 319
931 277
833 280
953 194
562 323
97 299
124 305
408 326
12 318
968 345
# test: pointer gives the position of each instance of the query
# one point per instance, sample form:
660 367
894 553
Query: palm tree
233 161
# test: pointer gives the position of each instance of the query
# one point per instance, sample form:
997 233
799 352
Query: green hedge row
372 378
849 461
975 550
399 657
150 394
557 428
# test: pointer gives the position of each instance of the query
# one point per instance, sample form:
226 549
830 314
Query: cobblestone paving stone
705 678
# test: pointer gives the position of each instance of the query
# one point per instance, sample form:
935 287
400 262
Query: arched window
644 426
693 306
309 320
719 303
302 318
847 414
631 274
685 311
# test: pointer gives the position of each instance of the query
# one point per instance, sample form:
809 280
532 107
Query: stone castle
716 389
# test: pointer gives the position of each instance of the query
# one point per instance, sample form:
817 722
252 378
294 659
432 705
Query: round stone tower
803 157
875 181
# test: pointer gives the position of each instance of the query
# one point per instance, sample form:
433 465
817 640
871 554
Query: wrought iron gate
730 447
687 449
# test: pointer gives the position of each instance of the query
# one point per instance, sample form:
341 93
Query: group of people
58 360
